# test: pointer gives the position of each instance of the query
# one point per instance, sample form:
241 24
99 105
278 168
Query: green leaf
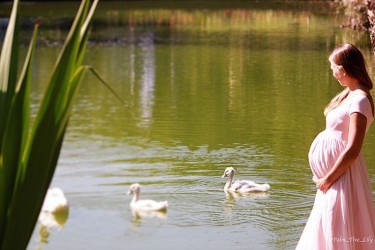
8 68
17 127
42 148
8 72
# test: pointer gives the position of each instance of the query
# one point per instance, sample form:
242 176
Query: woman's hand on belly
323 184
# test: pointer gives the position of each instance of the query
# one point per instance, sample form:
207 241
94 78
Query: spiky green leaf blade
25 206
27 197
44 147
8 68
17 128
107 85
85 32
75 84
64 66
8 72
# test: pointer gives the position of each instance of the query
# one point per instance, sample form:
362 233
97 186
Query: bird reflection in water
233 196
49 222
54 213
139 215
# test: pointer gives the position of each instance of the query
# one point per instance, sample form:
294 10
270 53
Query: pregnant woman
343 215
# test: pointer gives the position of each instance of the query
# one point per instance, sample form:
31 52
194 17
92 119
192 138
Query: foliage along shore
361 16
360 13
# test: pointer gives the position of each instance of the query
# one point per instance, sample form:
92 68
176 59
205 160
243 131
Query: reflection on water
138 216
147 78
50 222
233 196
207 88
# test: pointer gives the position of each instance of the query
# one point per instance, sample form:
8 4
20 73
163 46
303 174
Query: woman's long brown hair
351 59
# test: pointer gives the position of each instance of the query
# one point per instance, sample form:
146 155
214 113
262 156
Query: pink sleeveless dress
344 217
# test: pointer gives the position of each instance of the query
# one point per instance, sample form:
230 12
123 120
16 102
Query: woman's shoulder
361 98
362 103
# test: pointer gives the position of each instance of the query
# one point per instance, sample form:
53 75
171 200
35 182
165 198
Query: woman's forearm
342 164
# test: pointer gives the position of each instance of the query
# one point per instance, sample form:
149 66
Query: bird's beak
129 192
223 175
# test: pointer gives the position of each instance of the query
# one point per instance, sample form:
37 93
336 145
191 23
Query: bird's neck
135 196
229 182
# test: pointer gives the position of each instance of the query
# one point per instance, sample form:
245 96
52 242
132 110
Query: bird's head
134 188
229 171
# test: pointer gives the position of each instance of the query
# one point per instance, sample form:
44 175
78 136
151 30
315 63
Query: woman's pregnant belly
324 152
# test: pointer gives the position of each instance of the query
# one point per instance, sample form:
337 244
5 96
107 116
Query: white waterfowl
242 186
144 205
55 201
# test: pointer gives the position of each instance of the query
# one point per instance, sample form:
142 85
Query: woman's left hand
323 184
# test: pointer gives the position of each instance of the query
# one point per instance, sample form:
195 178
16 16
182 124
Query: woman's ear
341 70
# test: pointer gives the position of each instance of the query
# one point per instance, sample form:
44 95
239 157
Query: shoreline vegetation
137 16
360 14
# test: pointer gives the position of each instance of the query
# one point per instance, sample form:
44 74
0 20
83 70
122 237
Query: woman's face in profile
337 71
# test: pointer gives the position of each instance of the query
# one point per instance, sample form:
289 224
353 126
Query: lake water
207 85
